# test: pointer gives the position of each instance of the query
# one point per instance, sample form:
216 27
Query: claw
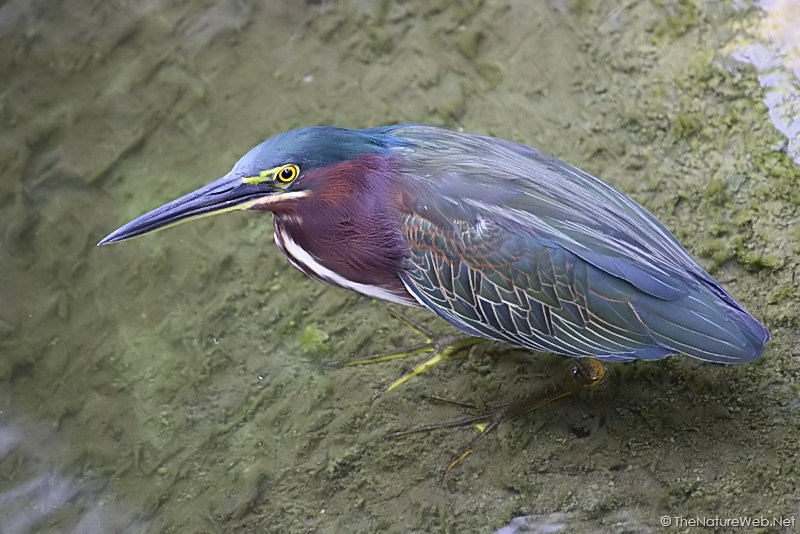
441 349
588 372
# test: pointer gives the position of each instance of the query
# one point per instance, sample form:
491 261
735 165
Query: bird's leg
441 349
587 372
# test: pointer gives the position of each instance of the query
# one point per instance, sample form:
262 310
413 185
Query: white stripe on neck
286 243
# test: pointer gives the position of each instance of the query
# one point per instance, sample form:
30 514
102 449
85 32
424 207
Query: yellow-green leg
441 349
587 372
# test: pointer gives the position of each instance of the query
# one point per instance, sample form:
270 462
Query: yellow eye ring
287 173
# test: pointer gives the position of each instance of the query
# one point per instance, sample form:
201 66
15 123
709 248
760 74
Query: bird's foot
587 372
441 348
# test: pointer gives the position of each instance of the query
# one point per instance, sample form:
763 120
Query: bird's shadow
658 402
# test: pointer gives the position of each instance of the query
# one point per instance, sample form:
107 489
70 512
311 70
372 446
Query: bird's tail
708 324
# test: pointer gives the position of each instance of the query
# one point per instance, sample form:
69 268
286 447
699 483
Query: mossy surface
176 383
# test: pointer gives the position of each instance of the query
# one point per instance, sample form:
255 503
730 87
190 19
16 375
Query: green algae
191 357
313 339
717 192
782 294
679 16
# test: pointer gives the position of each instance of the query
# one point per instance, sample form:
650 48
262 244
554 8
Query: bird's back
512 244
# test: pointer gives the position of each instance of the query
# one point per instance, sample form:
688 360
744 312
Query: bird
498 239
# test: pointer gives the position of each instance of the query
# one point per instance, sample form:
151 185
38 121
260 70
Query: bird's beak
229 193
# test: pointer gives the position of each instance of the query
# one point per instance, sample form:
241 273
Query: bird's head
284 170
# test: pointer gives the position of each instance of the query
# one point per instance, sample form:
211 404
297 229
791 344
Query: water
175 383
773 48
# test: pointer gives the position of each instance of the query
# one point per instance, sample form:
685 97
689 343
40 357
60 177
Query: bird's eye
287 173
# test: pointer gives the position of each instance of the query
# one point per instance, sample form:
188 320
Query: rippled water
176 383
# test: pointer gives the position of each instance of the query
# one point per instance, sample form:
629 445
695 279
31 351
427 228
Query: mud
176 383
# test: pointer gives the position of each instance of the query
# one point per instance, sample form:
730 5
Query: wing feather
515 245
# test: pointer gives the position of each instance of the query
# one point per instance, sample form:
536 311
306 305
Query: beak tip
106 240
219 196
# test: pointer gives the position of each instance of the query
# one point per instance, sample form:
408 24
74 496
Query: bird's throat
312 258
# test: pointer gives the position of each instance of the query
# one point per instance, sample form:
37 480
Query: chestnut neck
349 222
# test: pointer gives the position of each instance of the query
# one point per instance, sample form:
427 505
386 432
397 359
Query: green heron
498 239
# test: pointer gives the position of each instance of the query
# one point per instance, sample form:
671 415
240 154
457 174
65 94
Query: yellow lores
284 174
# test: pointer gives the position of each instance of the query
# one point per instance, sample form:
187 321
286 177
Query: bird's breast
336 273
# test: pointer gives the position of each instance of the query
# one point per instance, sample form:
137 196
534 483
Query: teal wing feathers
511 244
505 286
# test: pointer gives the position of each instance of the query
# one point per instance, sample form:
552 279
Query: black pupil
287 173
